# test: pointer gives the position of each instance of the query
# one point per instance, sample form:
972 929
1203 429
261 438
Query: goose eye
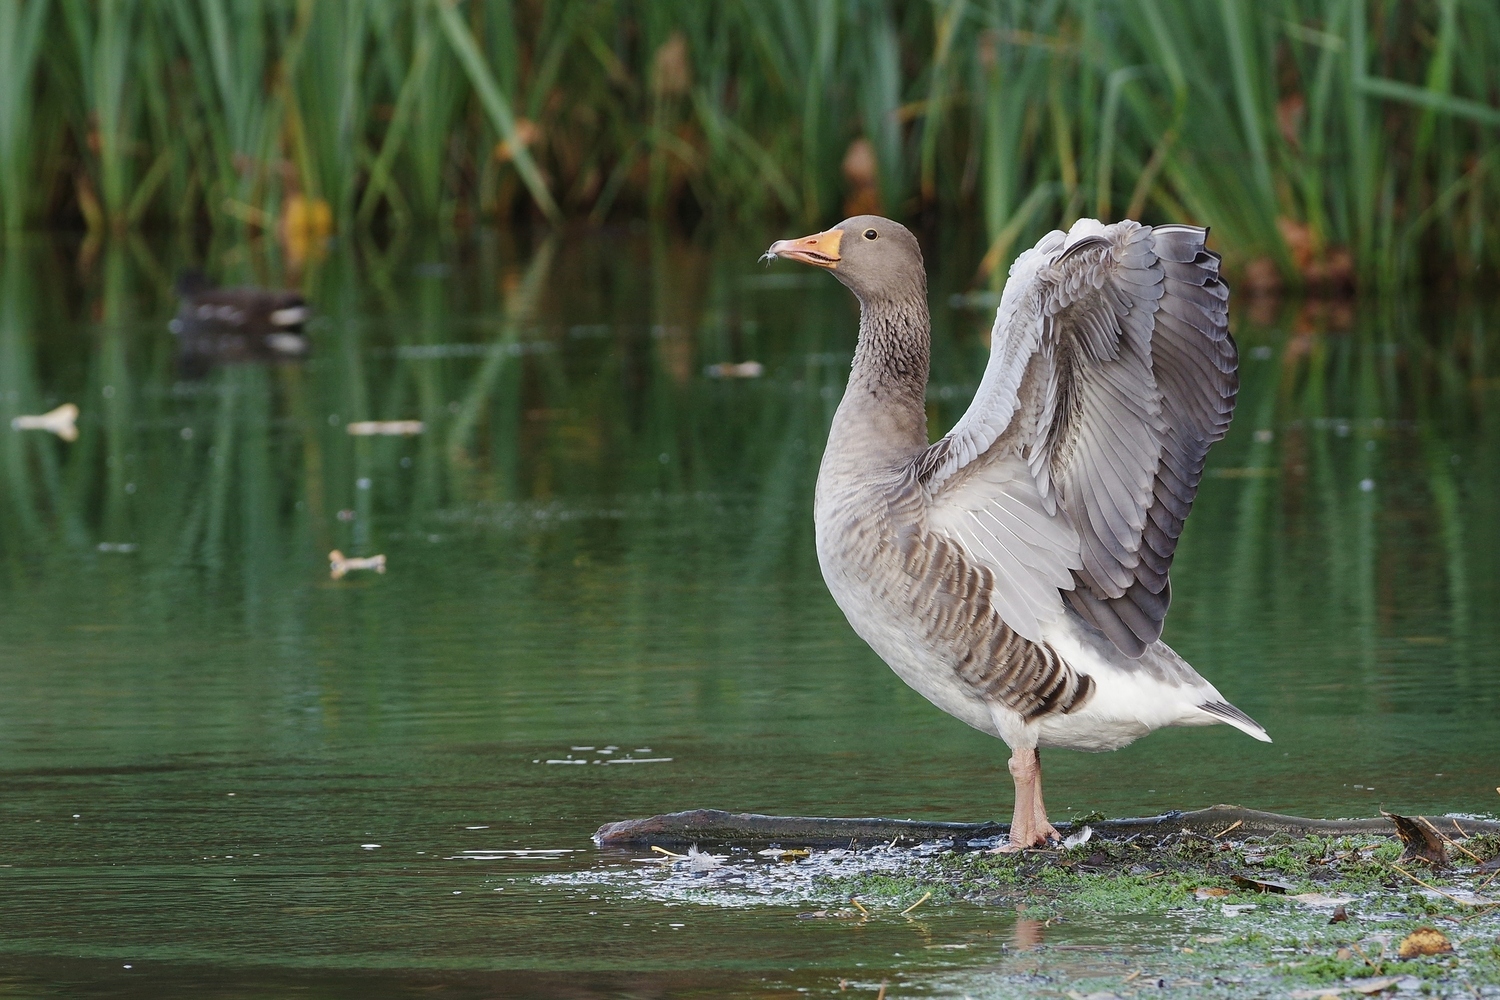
870 234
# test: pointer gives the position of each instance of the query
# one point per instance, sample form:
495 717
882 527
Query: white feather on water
1081 837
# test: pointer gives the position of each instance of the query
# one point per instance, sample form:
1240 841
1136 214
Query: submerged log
715 826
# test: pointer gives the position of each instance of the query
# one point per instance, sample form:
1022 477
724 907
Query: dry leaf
1259 884
1425 941
1209 892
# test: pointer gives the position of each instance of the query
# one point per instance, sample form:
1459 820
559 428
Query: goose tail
1224 712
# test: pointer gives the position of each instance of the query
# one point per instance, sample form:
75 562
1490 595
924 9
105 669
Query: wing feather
1111 373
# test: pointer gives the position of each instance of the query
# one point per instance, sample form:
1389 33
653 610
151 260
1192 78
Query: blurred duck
230 325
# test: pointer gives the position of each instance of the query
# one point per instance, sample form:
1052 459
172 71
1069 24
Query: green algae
1347 904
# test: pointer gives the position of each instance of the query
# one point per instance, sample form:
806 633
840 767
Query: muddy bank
715 826
1222 902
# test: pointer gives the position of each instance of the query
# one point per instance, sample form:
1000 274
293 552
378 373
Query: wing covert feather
1111 373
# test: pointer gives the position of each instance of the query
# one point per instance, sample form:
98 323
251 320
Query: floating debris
1425 941
697 861
339 564
122 547
745 369
502 854
385 428
62 421
925 897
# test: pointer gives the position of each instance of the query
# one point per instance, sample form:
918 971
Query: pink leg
1044 830
1029 827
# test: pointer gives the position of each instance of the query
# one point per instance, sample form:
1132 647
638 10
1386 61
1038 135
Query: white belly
1127 703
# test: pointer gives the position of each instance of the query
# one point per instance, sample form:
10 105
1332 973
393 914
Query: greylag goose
1014 573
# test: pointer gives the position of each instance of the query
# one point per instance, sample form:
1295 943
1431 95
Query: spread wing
1111 373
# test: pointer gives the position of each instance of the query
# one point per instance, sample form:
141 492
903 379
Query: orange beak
819 250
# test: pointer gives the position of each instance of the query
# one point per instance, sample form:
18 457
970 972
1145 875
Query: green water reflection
595 545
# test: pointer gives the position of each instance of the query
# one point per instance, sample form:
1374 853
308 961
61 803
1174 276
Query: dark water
595 547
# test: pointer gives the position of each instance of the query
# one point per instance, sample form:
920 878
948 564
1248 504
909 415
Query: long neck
882 420
895 344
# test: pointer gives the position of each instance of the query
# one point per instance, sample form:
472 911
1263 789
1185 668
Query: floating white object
62 421
339 564
385 428
702 861
745 369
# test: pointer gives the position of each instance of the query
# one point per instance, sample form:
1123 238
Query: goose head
876 259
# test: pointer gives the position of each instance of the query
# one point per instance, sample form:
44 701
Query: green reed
1307 132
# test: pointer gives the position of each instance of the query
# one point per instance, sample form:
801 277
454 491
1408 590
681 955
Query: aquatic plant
1328 141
